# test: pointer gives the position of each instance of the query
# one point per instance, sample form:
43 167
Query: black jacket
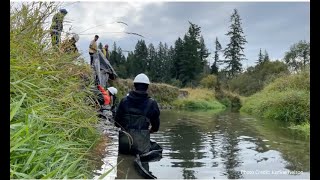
139 100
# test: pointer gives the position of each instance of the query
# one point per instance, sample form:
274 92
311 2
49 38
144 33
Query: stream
211 145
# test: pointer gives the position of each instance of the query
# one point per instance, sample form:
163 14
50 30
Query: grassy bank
51 120
167 95
199 98
286 99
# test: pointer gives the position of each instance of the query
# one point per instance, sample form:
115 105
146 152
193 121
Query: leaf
22 142
16 108
29 160
72 166
15 125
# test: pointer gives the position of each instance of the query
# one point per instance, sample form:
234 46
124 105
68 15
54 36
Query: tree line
186 62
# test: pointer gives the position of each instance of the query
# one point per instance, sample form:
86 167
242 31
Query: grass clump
303 128
198 99
51 119
287 99
229 99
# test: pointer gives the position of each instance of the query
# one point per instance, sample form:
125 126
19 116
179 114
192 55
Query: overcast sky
273 26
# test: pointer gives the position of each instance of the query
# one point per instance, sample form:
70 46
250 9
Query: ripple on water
224 147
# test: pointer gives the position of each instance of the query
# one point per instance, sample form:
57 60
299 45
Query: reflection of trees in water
229 154
294 149
185 141
188 174
231 126
229 146
213 150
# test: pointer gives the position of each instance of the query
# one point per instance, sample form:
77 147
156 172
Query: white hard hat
76 37
113 90
141 78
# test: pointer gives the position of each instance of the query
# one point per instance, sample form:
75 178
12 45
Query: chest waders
135 137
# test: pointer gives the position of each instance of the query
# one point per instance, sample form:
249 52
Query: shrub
286 99
198 99
209 81
257 77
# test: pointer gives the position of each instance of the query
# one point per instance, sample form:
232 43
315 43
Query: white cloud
89 18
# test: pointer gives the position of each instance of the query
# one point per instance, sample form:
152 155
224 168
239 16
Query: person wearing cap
57 27
106 52
93 48
137 115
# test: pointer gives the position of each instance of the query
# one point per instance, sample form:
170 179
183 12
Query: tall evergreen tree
266 56
100 46
140 57
120 64
204 53
152 54
120 57
130 65
234 51
161 54
214 66
113 55
177 59
171 56
191 65
166 64
260 57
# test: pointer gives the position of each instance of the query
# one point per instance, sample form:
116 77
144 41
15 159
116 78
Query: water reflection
208 145
185 143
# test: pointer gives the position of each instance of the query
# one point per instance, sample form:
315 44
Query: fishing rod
130 33
118 22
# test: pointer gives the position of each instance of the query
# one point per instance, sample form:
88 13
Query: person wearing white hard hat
137 115
108 96
106 99
70 45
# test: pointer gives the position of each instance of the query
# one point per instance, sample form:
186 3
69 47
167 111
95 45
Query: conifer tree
234 51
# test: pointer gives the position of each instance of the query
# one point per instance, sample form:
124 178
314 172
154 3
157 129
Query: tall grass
51 116
286 99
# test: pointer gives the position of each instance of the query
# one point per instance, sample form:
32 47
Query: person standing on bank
93 48
137 115
57 27
106 52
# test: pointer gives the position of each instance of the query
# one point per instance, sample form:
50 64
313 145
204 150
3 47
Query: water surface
224 145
